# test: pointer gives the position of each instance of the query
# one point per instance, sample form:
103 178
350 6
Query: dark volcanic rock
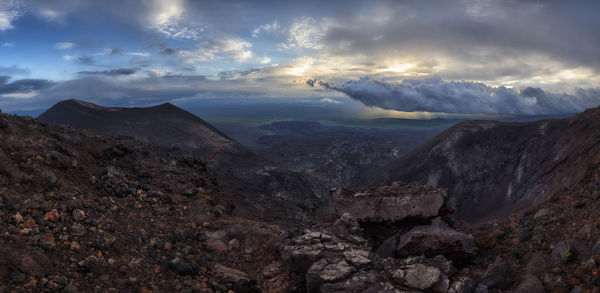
437 238
393 203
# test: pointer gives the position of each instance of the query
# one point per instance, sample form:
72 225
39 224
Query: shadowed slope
491 169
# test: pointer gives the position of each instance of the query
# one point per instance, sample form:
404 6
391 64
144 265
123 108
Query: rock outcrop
397 202
340 257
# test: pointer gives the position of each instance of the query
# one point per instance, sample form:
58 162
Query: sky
449 56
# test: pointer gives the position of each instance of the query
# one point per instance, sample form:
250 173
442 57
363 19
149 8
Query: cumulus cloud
22 85
112 72
436 95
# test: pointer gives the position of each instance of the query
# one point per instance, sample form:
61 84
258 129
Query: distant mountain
491 168
163 125
255 186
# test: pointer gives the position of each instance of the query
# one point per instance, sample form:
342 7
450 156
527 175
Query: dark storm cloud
22 85
85 60
436 95
151 89
112 72
474 31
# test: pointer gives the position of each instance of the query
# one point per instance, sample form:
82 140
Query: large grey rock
435 239
419 273
326 271
393 203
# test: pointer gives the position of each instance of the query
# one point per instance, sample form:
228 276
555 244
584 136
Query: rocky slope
254 186
491 169
82 211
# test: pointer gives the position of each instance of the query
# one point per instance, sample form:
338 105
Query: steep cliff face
491 169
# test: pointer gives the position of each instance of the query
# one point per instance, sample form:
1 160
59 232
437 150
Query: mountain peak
165 125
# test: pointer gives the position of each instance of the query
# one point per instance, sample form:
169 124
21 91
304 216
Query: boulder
229 274
435 239
326 271
393 203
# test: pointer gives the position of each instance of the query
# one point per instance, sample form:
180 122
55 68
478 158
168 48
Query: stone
17 217
74 246
418 276
229 274
435 239
215 244
500 274
94 264
183 268
327 271
49 176
542 213
24 258
52 215
30 223
391 203
78 215
300 258
234 244
70 288
462 285
357 257
530 284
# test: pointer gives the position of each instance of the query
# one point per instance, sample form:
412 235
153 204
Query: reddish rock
29 223
52 216
215 244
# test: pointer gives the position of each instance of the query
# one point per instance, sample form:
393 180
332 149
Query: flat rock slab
391 203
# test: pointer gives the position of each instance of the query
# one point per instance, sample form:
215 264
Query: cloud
10 10
167 18
64 46
139 54
55 10
112 72
115 51
329 101
8 44
85 60
436 95
233 48
306 32
266 28
13 70
265 60
22 85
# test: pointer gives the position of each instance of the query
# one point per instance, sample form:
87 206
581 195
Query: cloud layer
436 95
